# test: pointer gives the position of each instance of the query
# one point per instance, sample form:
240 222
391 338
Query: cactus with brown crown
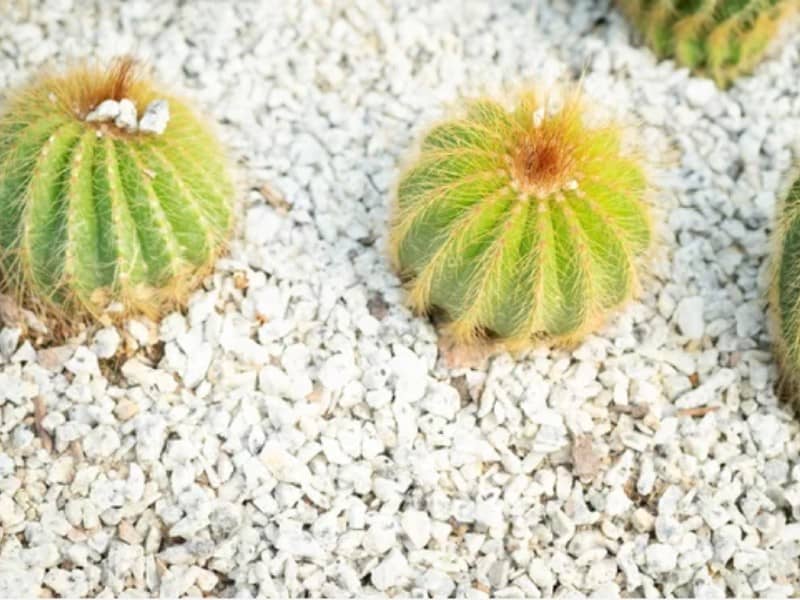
521 225
719 38
99 208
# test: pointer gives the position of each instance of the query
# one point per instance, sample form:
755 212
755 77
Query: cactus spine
521 225
94 211
785 291
719 38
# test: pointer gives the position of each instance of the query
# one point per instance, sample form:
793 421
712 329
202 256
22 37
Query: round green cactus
785 290
523 224
98 206
719 38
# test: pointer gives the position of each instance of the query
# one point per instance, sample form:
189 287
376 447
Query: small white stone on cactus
127 118
107 110
155 117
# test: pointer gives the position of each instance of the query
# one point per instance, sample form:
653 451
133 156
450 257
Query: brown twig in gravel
700 411
39 413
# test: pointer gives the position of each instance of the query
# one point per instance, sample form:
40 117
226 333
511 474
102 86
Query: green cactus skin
785 293
522 225
718 38
93 214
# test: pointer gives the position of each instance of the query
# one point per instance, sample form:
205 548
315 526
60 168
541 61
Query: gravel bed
298 432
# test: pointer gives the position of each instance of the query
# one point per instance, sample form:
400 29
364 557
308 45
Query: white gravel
298 432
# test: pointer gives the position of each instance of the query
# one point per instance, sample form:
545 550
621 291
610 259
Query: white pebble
700 91
417 526
107 110
391 571
106 342
155 117
127 117
689 317
661 558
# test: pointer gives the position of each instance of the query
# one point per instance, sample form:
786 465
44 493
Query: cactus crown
521 224
785 290
718 38
96 209
86 86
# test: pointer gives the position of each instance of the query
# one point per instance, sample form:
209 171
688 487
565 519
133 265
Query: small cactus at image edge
111 192
521 225
718 38
785 293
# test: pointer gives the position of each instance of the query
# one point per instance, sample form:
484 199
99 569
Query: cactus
98 210
785 291
718 38
521 225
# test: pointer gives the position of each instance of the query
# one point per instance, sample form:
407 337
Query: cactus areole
99 208
521 225
718 38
